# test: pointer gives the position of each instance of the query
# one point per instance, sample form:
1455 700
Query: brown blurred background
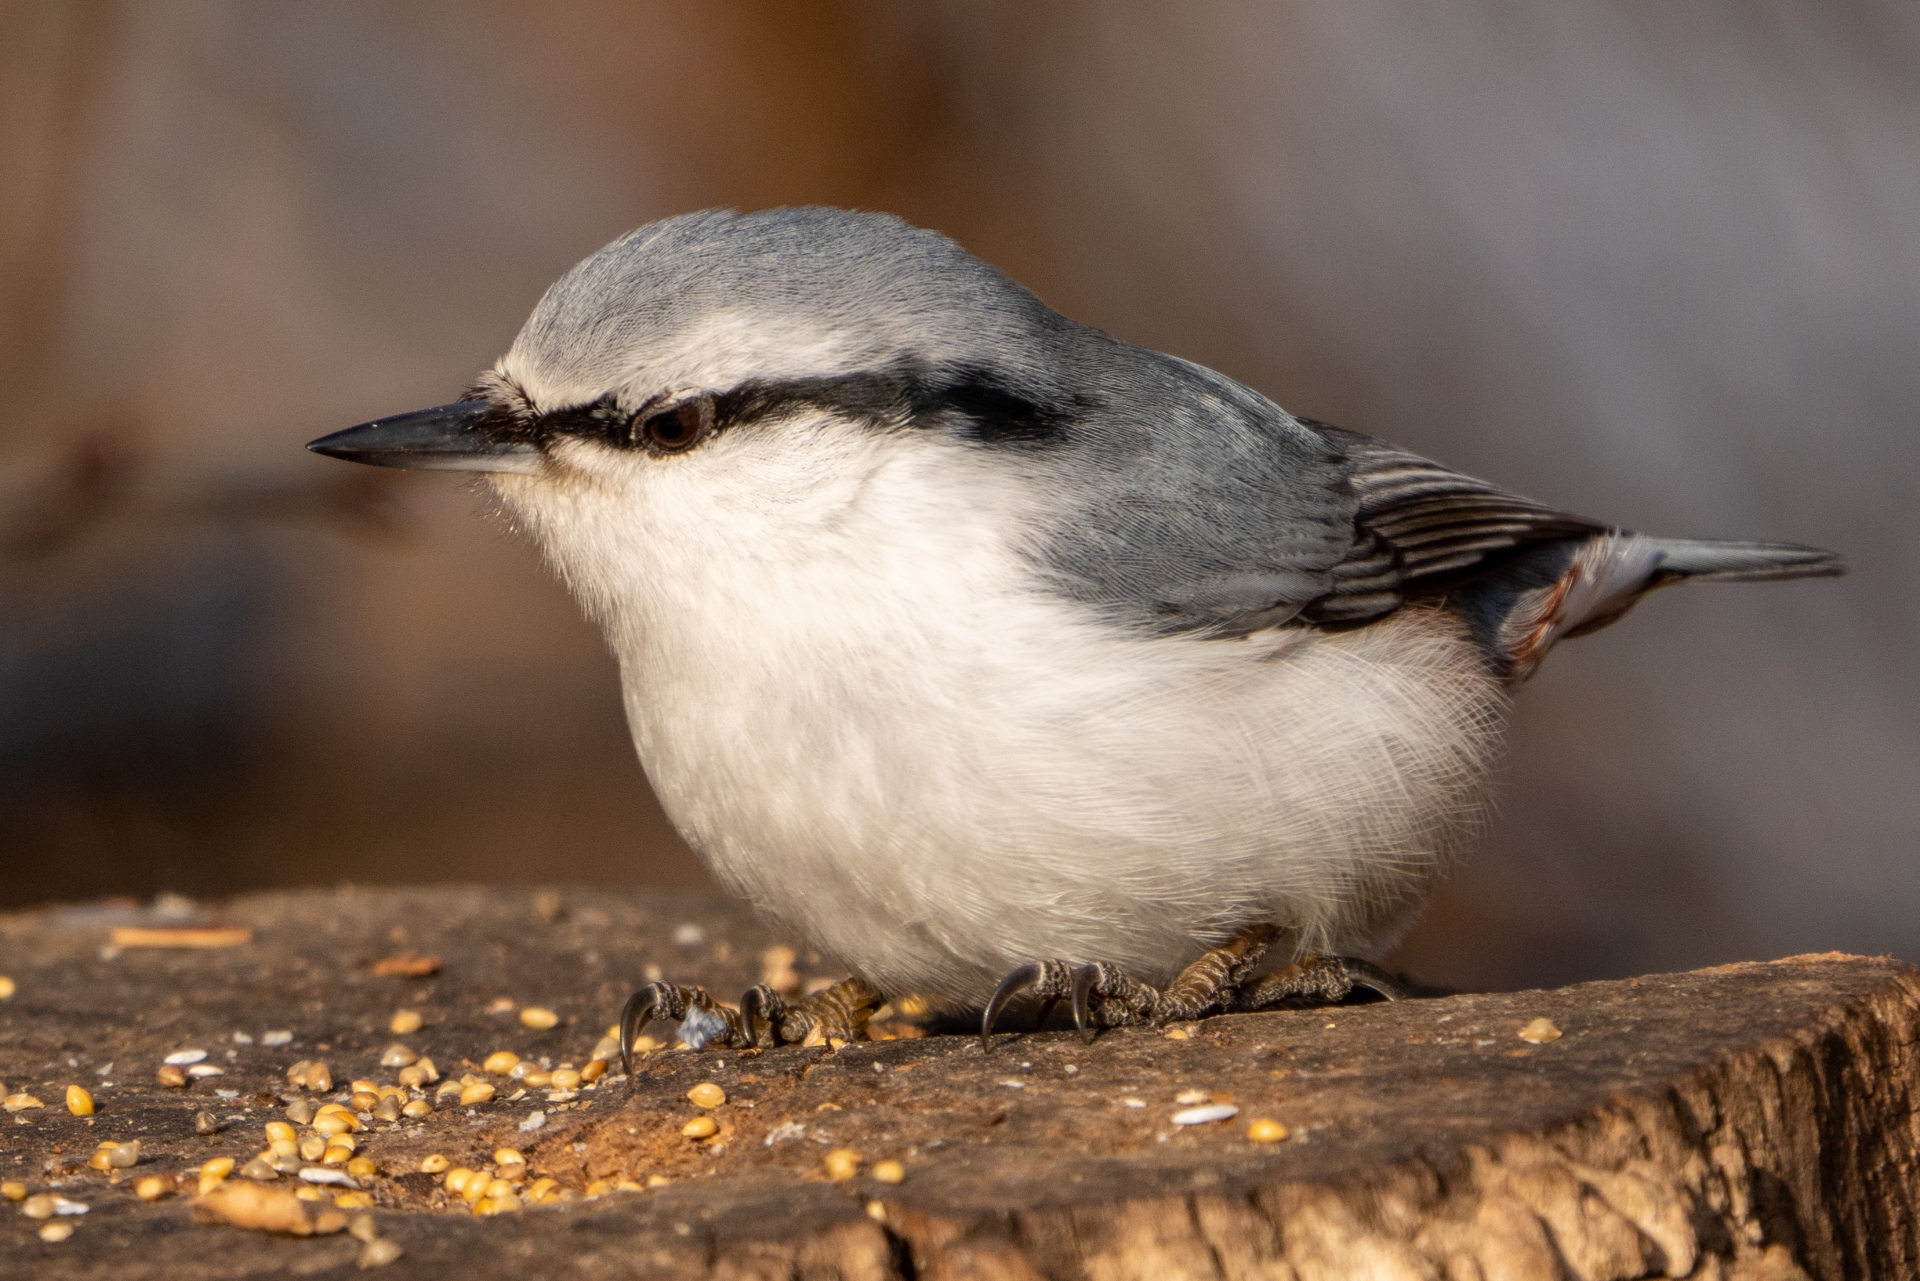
1651 262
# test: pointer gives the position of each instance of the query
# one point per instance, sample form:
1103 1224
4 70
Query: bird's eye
676 430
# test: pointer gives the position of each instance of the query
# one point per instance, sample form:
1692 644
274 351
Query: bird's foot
1317 980
1104 995
832 1016
765 1018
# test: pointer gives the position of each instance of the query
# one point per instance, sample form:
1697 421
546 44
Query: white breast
857 700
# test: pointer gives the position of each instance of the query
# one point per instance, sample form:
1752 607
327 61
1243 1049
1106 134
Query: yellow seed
307 1192
1539 1032
313 1147
599 1187
876 1211
124 1156
701 1127
364 1101
417 1108
332 1109
539 1188
828 1107
152 1188
566 1079
537 1080
508 1156
594 1070
100 1160
281 1130
363 1228
653 1181
476 1186
336 1156
332 1123
6 988
497 1188
1177 1034
890 1172
1266 1130
404 1023
398 1056
13 1190
412 1077
434 1163
501 1062
363 1086
79 1102
842 1164
706 1095
352 1200
20 1102
538 1017
284 1147
170 1076
55 1233
501 1204
319 1078
481 1093
456 1180
361 1167
218 1168
39 1207
426 1065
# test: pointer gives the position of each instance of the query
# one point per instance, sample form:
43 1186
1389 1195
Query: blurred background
1654 263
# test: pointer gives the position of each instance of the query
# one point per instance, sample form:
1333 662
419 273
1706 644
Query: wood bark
1750 1121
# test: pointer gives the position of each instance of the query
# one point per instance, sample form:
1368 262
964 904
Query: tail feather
1726 561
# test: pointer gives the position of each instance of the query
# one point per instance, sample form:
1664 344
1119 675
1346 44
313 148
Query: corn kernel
283 1147
701 1127
281 1130
426 1065
417 1108
353 1200
538 1017
706 1095
599 1187
501 1062
6 988
566 1079
890 1172
1266 1130
336 1156
594 1070
434 1163
313 1147
364 1101
361 1167
398 1056
842 1164
54 1233
653 1181
13 1190
319 1078
540 1189
79 1102
404 1023
457 1177
481 1093
152 1188
537 1080
508 1156
170 1076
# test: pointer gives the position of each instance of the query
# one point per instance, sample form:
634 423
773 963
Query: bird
999 657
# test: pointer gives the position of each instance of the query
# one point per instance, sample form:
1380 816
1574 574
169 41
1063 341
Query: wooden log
1749 1121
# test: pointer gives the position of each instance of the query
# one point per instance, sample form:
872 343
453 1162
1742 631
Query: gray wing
1421 528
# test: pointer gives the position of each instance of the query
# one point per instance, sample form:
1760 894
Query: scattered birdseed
300 1111
79 1102
313 1147
501 1062
842 1164
701 1127
1539 1032
281 1037
170 1076
509 1156
362 1167
379 1252
21 1102
124 1156
397 1056
479 1093
1266 1131
434 1163
54 1233
1193 1096
890 1172
152 1188
39 1207
259 1169
1177 1034
1201 1116
539 1017
13 1190
205 1123
202 1071
566 1079
416 1108
180 1058
706 1095
404 1023
248 1205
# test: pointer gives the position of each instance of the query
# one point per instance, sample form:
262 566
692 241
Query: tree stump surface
1750 1121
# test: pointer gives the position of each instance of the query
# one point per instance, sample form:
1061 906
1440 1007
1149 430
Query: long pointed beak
444 438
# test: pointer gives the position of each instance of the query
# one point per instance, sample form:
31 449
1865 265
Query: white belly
887 736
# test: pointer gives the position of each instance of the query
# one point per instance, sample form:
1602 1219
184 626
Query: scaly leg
838 1013
1321 980
1104 995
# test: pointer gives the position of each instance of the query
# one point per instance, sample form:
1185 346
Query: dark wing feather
1419 527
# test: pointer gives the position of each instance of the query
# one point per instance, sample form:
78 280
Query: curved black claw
1370 976
1011 986
1082 993
761 1004
641 1009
